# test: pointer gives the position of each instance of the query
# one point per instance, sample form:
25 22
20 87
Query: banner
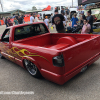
84 2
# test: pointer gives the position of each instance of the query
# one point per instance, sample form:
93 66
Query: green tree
34 8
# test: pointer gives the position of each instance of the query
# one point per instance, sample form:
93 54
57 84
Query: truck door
5 45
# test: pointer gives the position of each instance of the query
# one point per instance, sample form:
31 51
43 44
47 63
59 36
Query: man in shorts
58 21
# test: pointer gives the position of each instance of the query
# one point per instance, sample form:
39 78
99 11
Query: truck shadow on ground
80 82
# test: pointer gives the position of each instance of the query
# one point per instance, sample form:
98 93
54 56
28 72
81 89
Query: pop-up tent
48 8
84 2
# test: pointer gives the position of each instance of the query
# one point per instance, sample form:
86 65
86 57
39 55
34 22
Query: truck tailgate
77 54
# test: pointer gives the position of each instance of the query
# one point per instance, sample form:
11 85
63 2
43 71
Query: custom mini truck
56 56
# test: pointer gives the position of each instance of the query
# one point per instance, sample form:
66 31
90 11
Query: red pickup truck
56 56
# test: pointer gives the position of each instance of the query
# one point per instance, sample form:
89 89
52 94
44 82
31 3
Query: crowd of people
34 18
61 20
17 20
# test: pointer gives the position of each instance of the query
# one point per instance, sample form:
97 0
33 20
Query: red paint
78 50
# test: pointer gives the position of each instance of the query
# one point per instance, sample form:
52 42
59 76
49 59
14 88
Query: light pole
1 5
72 3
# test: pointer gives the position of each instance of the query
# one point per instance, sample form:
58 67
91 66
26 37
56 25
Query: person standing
62 11
20 20
33 15
6 22
4 19
86 27
9 22
58 21
65 22
67 12
74 20
46 21
36 18
16 17
15 21
90 20
51 18
82 18
31 18
22 16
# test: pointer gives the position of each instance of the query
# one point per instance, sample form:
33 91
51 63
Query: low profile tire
1 56
32 68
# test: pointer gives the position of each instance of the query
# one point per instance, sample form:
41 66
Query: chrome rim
30 67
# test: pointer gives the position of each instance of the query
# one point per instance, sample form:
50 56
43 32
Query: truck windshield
29 31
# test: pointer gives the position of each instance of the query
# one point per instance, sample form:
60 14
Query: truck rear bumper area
61 79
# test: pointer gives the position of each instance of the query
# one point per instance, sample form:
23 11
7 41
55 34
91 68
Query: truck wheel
1 56
32 69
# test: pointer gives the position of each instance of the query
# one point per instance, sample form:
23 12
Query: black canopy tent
84 2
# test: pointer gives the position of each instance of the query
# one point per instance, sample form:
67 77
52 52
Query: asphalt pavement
84 86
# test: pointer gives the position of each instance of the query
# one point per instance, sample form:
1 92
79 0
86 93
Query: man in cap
46 21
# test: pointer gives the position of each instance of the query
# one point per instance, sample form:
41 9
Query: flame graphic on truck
14 51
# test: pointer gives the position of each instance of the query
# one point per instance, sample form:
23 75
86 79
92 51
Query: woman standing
9 22
15 21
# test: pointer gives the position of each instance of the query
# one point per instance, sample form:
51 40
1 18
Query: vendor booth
84 2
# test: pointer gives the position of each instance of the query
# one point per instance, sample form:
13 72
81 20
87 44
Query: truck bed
56 41
77 50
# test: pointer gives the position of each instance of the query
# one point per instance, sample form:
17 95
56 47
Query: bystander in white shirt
46 21
31 19
36 19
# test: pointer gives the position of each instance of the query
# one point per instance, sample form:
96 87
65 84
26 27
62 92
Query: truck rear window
29 31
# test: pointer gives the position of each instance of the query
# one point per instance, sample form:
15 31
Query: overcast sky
9 5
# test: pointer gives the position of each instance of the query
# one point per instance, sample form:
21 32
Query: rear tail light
58 61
